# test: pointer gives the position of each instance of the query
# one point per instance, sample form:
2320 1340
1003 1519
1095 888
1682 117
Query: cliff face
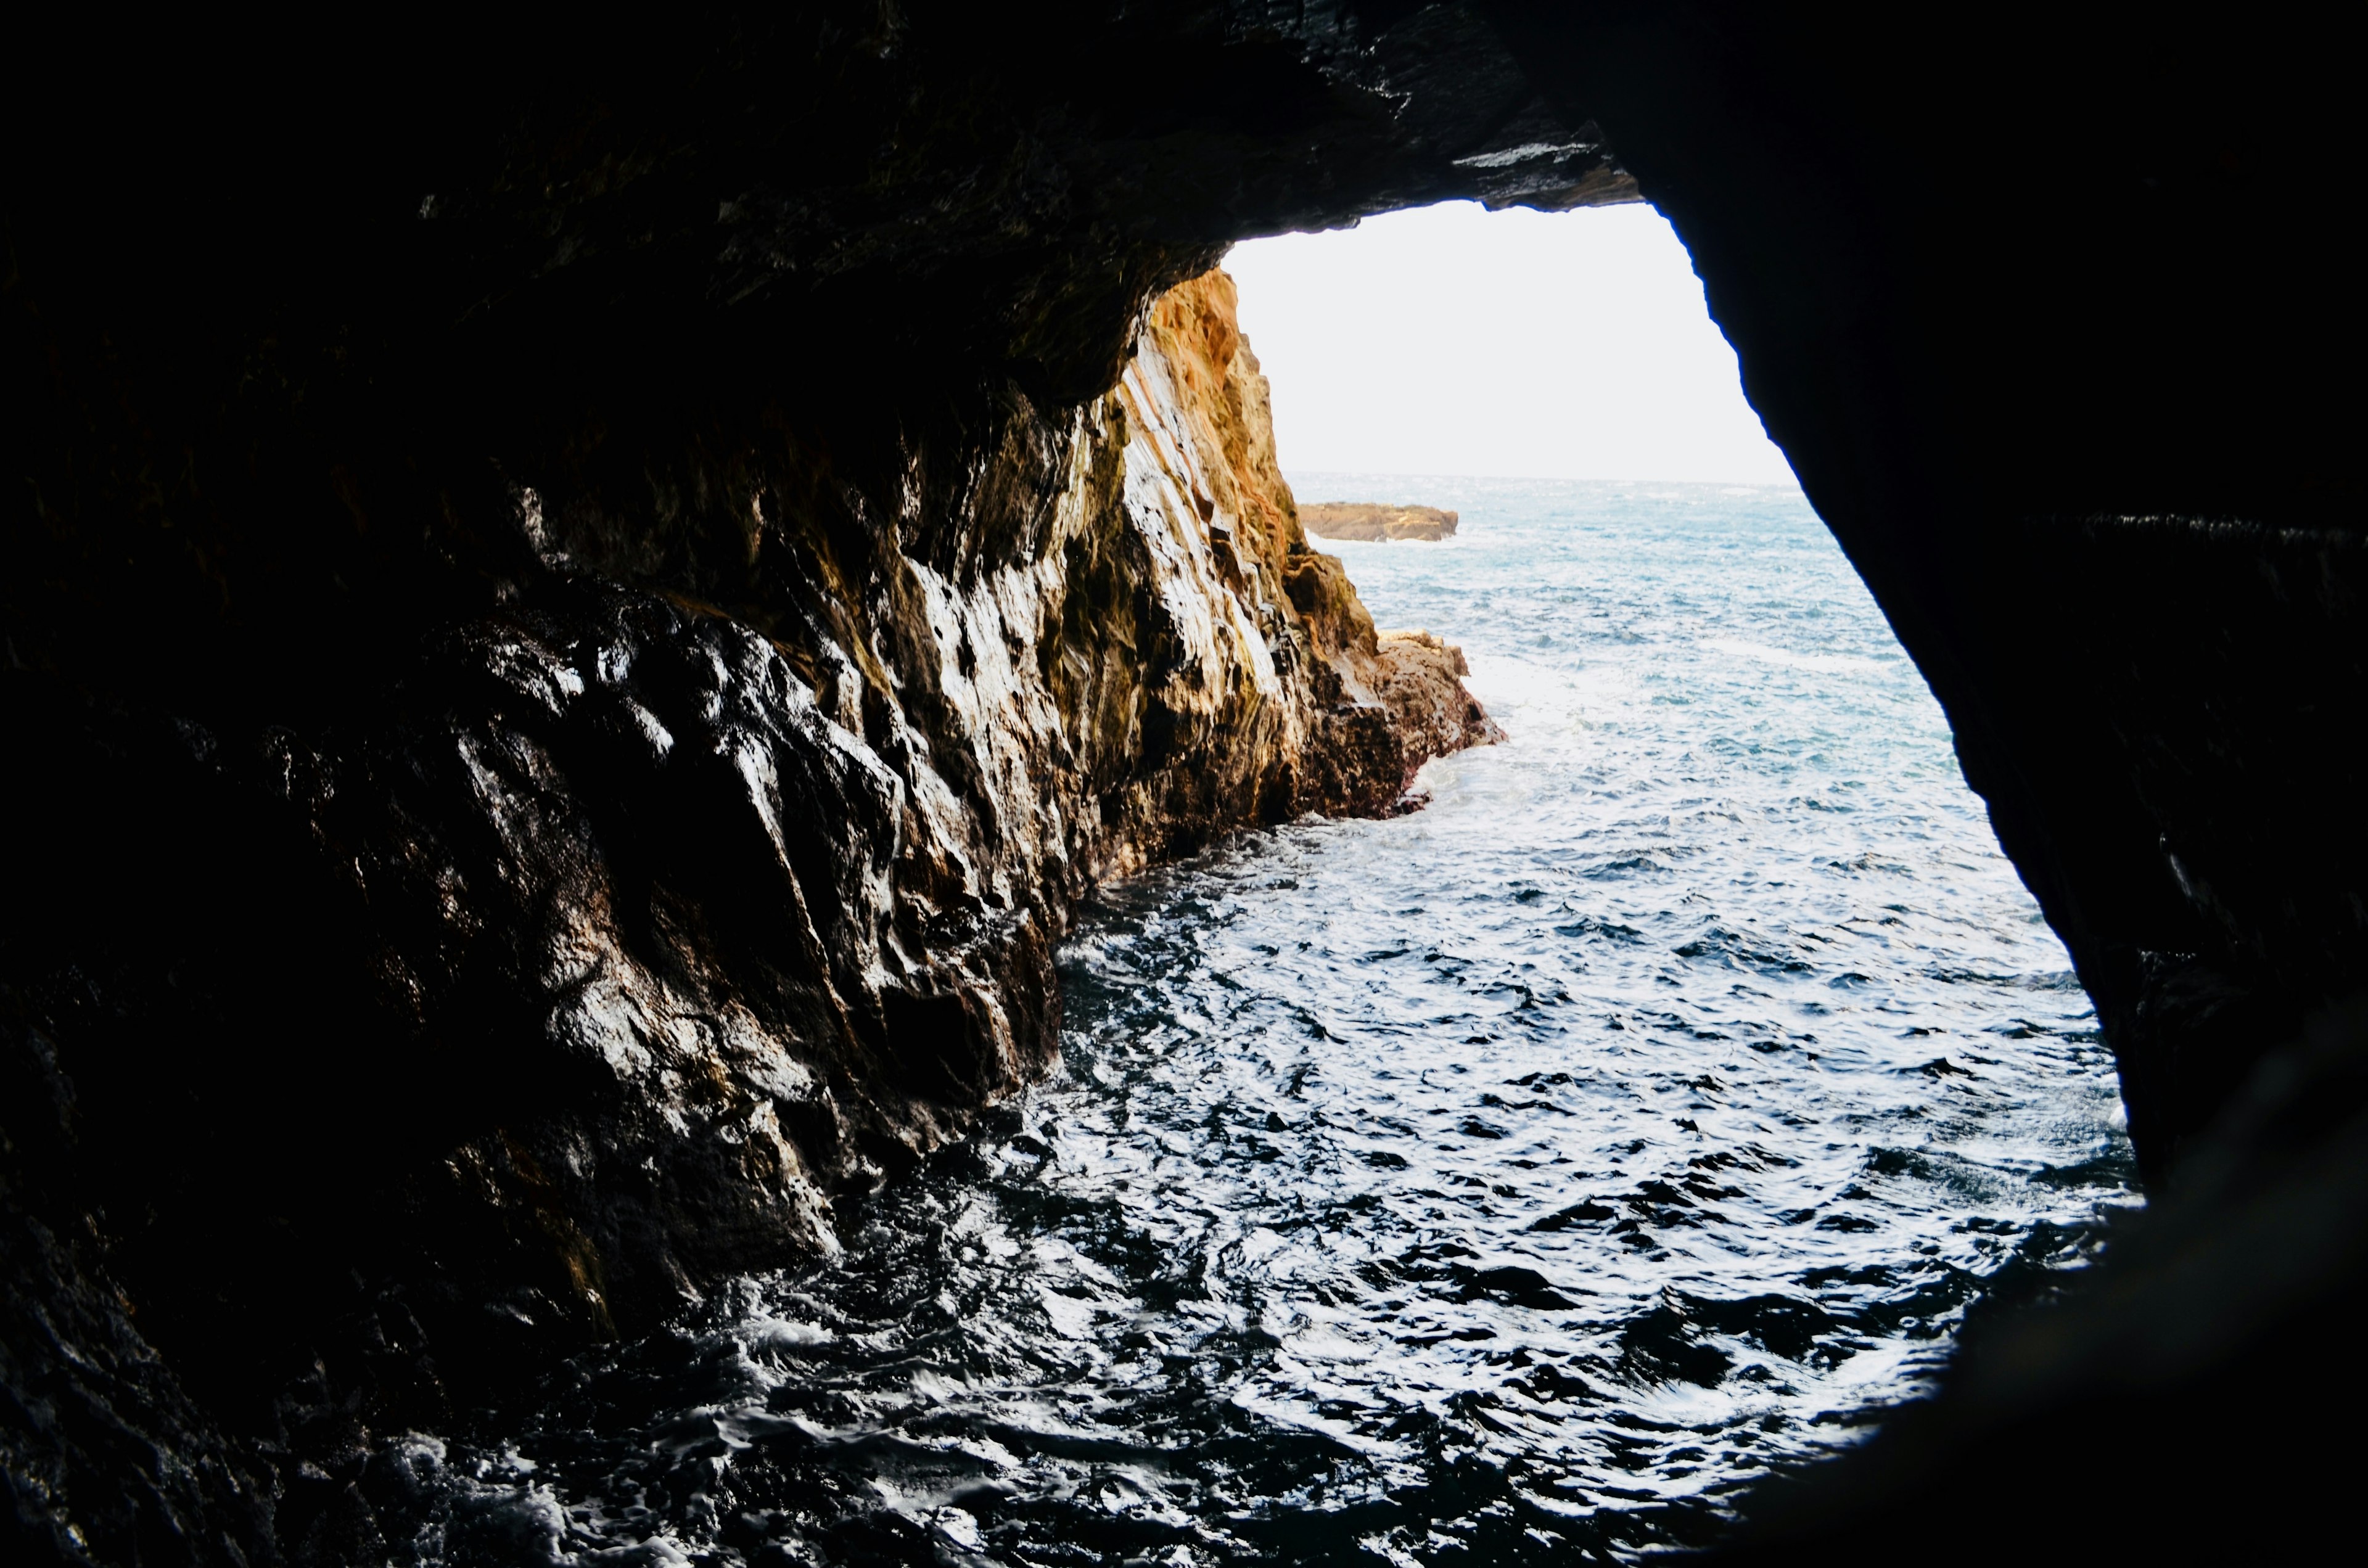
1375 707
611 934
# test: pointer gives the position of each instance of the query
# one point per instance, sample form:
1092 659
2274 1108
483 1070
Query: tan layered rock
1365 521
1360 713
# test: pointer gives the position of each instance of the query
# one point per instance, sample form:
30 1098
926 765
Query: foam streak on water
1517 1179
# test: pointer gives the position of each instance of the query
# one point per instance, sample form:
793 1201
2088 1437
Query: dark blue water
1514 1180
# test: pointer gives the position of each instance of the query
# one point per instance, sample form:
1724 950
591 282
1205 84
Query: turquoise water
1517 1179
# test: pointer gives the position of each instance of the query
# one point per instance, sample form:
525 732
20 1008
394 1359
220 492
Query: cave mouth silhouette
2047 345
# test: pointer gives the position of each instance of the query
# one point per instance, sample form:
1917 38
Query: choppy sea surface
1514 1180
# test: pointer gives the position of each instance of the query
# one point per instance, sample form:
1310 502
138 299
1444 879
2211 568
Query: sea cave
600 613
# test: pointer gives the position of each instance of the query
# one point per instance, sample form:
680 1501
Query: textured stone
606 940
1365 521
1422 682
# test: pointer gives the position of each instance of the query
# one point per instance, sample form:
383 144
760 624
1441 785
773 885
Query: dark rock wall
2047 308
592 942
2044 309
511 529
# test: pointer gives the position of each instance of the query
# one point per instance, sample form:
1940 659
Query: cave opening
1474 1113
614 624
1526 1174
1730 815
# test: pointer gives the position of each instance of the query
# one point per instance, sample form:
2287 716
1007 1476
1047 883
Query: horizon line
1550 478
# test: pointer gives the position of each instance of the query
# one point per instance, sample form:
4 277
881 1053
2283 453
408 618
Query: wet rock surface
1422 682
593 950
1362 519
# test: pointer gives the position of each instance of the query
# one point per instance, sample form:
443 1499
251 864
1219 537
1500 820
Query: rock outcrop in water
448 454
1422 685
1365 521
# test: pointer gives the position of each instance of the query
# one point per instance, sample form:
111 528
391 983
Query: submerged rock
1365 521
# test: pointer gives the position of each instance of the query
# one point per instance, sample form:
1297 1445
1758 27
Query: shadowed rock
592 944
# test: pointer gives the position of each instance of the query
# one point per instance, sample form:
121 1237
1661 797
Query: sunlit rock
1365 521
607 938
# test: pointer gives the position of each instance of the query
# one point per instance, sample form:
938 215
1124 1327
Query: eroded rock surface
1422 682
1365 520
608 934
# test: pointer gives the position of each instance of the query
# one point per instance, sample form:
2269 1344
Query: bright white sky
1453 340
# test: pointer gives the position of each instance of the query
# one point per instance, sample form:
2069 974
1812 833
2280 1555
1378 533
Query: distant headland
1362 519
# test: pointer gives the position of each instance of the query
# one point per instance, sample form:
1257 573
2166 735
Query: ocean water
1514 1180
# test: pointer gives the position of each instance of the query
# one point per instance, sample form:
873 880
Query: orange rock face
1365 521
1374 707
